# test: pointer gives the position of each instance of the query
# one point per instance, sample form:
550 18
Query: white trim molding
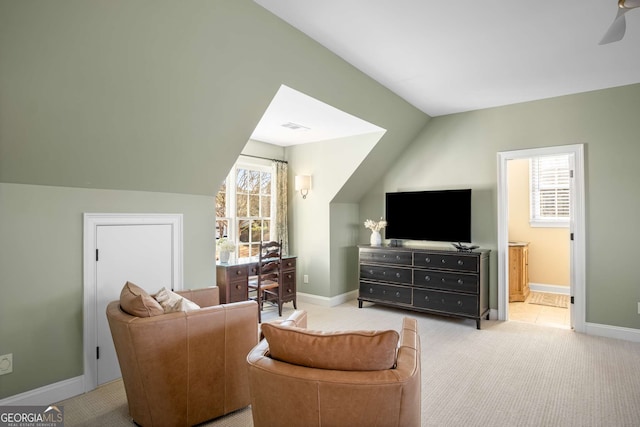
550 289
46 395
617 332
327 301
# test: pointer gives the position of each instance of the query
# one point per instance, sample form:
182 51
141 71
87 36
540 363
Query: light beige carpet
552 300
506 374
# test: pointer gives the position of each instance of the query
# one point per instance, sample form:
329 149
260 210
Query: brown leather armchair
183 368
291 394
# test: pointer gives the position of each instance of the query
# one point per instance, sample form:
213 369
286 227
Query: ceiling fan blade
617 29
629 4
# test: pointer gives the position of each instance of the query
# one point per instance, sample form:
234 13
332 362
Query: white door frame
91 223
577 228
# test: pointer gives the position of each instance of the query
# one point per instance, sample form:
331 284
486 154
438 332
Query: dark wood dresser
439 281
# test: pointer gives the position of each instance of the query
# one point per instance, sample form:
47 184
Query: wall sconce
303 184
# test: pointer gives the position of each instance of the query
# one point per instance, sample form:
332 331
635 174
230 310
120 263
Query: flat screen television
438 215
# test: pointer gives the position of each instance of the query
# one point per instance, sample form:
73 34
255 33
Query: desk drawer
446 302
288 263
288 283
237 291
235 273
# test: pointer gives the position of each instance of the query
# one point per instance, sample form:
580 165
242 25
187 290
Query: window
244 207
550 191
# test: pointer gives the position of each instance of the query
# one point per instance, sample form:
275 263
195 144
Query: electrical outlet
305 279
639 308
6 363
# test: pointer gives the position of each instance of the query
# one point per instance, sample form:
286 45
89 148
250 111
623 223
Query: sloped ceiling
446 57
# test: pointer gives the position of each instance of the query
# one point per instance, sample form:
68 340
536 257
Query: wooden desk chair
269 275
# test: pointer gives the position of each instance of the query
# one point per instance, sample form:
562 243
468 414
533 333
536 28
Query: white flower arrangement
225 245
375 225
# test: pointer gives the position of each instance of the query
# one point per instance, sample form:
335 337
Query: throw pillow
137 302
172 302
345 351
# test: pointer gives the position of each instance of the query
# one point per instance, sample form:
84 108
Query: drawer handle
238 272
427 259
384 292
289 290
398 257
370 271
384 255
444 261
460 262
397 294
442 280
289 276
460 282
384 273
398 275
460 303
427 278
289 264
238 286
426 298
442 300
370 290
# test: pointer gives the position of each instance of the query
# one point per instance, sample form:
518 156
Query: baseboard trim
608 331
327 301
550 289
48 394
493 314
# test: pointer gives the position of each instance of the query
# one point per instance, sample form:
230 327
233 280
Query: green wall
41 242
318 229
460 150
151 100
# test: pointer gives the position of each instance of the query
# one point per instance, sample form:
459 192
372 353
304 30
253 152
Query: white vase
224 256
376 238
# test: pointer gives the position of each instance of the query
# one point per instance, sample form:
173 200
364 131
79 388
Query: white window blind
550 191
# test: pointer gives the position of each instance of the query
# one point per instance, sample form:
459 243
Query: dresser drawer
446 281
385 257
446 302
399 294
457 262
385 273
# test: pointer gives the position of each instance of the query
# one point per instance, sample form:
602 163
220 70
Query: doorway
144 249
576 230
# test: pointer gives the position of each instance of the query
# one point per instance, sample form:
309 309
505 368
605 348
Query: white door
141 254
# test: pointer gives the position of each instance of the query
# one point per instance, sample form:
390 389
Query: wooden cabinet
438 281
518 271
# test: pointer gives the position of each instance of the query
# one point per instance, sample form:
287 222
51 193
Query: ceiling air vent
295 126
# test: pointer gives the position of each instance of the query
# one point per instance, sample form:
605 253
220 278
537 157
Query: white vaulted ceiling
446 57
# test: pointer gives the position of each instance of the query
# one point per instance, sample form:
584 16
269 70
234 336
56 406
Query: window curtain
281 226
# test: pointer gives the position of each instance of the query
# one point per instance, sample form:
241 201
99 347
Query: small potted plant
225 247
